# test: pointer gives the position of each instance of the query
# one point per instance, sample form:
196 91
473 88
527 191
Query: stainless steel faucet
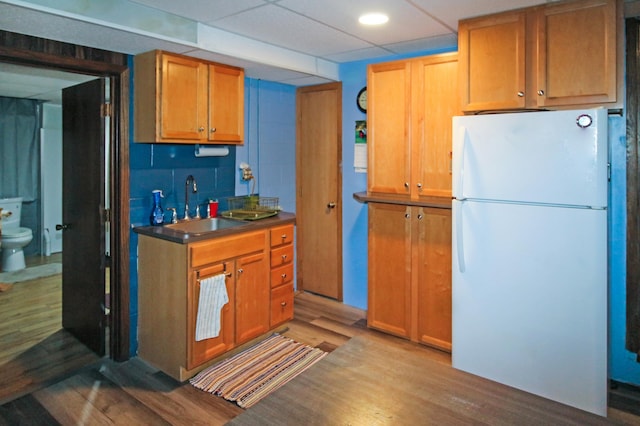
190 181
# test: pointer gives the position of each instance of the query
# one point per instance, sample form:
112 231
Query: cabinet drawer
225 248
281 256
281 235
281 304
282 275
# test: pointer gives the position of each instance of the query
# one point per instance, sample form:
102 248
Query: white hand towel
213 296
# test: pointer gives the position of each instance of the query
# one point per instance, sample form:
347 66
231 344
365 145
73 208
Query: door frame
43 53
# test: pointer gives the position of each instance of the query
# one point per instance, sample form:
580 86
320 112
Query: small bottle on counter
157 213
212 208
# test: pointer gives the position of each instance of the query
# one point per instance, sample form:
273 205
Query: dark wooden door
83 239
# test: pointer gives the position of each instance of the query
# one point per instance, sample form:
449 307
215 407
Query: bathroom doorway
67 137
48 54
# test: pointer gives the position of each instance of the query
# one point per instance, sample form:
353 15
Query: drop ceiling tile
293 31
406 22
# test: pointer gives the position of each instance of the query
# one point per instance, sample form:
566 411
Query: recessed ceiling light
373 19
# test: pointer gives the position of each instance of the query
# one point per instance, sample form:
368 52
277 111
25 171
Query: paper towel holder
211 151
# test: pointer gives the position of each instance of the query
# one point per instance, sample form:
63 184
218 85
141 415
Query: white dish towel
213 296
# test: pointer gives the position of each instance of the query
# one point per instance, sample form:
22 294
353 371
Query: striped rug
251 375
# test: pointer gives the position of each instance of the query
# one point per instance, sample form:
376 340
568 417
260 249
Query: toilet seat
15 233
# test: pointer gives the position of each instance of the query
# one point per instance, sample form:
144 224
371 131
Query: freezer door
557 157
530 299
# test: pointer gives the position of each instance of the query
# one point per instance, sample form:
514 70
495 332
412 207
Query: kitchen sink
201 226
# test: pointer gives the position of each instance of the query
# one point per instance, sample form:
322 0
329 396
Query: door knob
62 227
331 205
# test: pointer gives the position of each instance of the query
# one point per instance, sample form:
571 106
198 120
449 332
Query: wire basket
253 203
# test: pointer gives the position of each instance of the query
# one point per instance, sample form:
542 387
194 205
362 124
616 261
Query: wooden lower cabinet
252 296
169 277
410 272
204 350
281 261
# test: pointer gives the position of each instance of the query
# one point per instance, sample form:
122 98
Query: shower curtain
20 122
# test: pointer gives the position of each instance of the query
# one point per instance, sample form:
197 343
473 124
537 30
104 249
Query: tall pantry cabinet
409 192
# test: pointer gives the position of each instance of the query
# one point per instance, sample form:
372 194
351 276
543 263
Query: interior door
318 205
83 264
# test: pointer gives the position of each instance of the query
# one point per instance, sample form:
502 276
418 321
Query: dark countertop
169 234
436 202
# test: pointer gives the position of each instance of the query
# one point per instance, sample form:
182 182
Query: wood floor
368 379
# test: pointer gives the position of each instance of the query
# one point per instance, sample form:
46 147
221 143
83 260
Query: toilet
13 237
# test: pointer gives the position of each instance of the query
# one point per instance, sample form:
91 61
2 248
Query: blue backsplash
166 167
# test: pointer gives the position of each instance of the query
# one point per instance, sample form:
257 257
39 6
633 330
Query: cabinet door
437 100
434 277
492 61
389 159
389 306
577 53
226 104
183 93
252 296
204 350
281 304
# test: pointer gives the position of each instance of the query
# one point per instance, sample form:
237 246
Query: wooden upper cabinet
183 97
577 58
226 104
436 100
564 54
178 99
388 116
411 103
492 61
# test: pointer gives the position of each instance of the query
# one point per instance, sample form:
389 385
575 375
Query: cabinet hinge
106 110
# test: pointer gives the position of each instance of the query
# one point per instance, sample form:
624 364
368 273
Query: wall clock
361 100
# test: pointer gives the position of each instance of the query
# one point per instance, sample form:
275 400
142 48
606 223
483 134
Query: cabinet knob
212 130
283 304
521 94
419 185
240 271
419 217
407 215
406 185
201 129
284 276
284 257
283 236
541 92
331 205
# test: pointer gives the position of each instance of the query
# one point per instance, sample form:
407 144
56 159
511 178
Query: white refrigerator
529 240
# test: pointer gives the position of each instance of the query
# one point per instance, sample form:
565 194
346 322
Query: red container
213 208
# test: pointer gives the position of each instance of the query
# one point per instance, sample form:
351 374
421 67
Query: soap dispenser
157 214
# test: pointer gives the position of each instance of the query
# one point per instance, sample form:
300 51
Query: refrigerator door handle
458 162
459 238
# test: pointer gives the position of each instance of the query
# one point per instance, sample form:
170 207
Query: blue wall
622 363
